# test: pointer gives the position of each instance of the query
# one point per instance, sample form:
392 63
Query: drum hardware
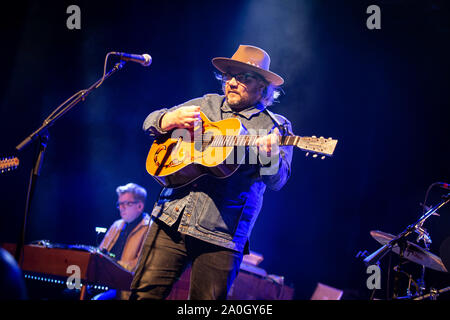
411 281
380 253
412 252
425 237
433 294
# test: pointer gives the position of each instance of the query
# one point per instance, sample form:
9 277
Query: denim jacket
223 211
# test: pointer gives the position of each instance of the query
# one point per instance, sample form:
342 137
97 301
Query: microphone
443 185
144 59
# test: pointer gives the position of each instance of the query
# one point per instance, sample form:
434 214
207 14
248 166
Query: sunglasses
240 77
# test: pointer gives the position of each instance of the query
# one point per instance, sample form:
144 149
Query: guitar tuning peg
307 154
315 155
323 157
314 136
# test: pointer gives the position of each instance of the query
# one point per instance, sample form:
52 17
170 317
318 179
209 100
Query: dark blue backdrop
383 93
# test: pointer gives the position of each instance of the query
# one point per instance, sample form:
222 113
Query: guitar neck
309 144
249 140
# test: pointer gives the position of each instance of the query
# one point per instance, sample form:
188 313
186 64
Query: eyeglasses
244 78
125 203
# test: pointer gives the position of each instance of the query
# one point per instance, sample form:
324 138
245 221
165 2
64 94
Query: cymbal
413 252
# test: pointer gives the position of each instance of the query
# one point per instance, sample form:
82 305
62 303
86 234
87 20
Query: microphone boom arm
42 134
375 257
81 95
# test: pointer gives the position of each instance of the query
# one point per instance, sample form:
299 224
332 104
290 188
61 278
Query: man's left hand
268 145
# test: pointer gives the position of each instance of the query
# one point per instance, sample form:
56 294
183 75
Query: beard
238 102
235 100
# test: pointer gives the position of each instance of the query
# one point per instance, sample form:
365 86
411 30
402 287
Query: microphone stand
43 136
376 256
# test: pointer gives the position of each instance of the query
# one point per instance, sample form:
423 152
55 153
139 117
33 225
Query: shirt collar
246 113
130 226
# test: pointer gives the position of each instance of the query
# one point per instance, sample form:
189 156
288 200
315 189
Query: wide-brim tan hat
248 58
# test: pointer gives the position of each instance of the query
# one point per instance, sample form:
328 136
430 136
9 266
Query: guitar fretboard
318 145
249 140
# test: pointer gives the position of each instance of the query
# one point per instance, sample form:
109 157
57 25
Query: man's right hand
184 117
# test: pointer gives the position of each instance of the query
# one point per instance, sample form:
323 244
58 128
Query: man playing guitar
208 221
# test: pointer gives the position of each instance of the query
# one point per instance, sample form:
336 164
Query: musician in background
124 239
207 222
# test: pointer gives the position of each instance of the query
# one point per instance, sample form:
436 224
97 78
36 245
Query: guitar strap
274 118
281 126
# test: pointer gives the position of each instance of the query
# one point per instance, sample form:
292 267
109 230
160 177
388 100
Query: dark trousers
166 255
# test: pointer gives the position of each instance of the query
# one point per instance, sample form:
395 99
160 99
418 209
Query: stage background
384 94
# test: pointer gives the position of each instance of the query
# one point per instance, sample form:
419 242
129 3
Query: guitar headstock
7 164
318 146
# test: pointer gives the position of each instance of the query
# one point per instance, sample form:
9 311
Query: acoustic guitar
179 157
